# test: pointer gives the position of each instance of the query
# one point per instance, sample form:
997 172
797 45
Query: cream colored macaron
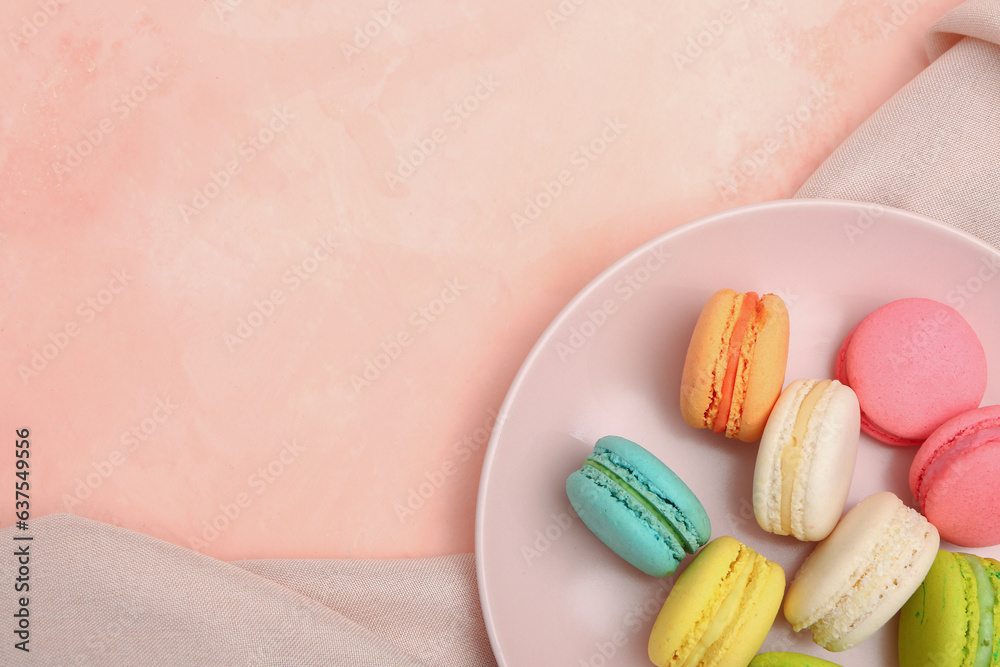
806 458
856 579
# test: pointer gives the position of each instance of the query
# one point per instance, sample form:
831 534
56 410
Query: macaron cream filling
731 616
732 353
727 612
625 486
793 455
730 585
986 598
615 471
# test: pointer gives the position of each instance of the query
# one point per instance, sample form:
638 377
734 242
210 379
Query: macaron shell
942 437
767 370
992 568
781 659
623 523
934 623
961 500
818 501
688 516
767 480
704 365
758 383
618 523
823 478
866 425
954 476
881 543
698 592
697 605
914 363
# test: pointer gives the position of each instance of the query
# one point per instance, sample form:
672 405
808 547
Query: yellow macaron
720 610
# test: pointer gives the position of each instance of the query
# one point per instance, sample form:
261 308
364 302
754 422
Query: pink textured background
202 256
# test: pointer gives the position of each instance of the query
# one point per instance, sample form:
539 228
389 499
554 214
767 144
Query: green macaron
953 619
779 659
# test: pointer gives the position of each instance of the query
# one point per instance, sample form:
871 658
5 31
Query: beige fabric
934 148
102 595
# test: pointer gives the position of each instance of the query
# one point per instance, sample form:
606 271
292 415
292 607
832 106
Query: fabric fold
104 595
974 18
934 147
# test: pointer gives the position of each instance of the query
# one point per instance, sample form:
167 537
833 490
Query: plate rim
607 273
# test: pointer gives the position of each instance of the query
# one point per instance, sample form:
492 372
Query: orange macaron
735 364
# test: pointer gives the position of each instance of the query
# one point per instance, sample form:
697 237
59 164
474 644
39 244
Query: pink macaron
914 364
954 478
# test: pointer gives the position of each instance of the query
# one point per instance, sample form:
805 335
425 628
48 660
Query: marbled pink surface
265 271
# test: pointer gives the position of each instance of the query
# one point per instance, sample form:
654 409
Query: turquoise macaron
779 659
638 506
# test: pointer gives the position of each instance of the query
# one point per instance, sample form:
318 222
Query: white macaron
806 458
856 579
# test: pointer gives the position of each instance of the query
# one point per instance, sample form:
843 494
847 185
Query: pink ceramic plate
552 594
